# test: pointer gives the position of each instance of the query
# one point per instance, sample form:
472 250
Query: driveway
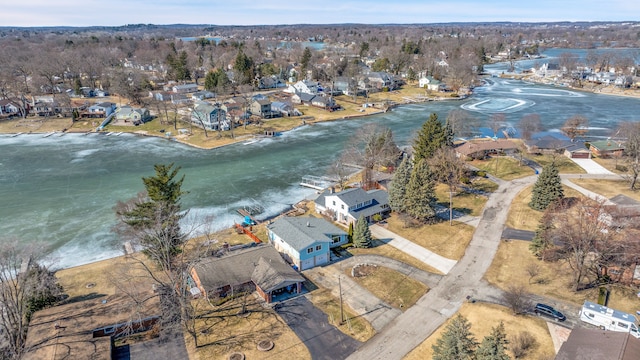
592 167
432 259
324 341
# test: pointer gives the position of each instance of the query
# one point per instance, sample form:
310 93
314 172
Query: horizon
74 13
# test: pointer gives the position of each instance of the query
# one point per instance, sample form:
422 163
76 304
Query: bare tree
575 126
632 152
371 147
25 287
529 125
463 123
448 169
496 122
517 298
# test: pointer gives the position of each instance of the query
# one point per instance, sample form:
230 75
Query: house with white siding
348 205
305 241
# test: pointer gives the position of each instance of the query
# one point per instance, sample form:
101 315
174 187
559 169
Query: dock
317 182
48 134
18 134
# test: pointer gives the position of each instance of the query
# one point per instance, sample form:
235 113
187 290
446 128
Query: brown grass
355 326
485 316
564 164
610 163
441 238
522 217
466 203
222 332
392 287
608 188
382 249
503 167
510 264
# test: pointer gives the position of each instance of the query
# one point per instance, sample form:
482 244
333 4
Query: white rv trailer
609 319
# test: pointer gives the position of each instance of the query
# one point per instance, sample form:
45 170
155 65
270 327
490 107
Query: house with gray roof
348 205
258 266
305 241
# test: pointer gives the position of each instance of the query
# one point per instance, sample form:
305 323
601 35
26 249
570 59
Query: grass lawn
382 249
393 287
441 238
485 316
355 326
464 202
522 217
503 167
610 163
608 188
221 331
510 265
564 164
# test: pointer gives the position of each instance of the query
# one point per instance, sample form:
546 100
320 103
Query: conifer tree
448 134
457 342
398 186
493 346
431 137
362 234
542 239
547 189
420 196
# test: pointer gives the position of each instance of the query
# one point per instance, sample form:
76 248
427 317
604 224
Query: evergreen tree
542 239
210 81
457 342
350 233
304 62
243 66
448 134
420 196
362 234
154 218
547 189
398 186
493 346
430 138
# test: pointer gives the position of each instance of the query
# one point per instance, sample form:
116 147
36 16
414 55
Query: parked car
546 310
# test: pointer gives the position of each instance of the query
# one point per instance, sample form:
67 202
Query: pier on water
317 182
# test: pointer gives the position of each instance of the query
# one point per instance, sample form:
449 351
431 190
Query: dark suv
546 310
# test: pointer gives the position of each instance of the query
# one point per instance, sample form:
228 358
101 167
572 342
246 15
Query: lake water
61 190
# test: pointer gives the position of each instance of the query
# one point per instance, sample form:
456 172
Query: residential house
577 150
345 85
606 78
323 102
548 144
100 110
271 82
586 343
126 115
160 95
257 266
284 109
606 148
9 108
202 95
623 81
178 99
348 205
305 86
184 88
479 149
305 241
302 98
210 117
550 70
379 81
431 84
87 329
261 107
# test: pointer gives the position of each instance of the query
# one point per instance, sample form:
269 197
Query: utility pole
341 309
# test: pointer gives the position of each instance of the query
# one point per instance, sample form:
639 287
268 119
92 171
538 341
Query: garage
307 264
321 259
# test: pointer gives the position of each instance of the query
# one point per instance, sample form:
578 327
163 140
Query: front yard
390 286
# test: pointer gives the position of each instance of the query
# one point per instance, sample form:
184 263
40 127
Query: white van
609 319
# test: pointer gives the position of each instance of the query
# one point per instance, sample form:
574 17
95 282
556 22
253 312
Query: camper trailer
609 319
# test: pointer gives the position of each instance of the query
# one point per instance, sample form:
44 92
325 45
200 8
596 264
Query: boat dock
317 182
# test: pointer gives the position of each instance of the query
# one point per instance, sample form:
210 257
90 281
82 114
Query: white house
185 88
348 205
103 109
9 107
305 241
307 87
431 84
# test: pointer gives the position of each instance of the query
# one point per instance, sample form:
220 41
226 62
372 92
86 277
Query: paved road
323 340
516 234
432 259
444 300
592 167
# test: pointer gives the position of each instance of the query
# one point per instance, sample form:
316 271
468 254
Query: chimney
330 189
308 224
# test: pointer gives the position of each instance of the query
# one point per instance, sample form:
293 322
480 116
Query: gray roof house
126 115
305 241
348 205
259 265
209 116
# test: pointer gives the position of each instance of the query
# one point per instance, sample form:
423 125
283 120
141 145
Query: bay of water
61 190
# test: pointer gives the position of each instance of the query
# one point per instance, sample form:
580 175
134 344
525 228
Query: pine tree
350 233
361 234
542 239
547 189
457 342
398 186
420 195
493 346
431 137
448 134
155 217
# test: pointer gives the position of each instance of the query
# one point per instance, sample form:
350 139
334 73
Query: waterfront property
87 329
606 148
305 241
348 205
479 149
258 267
126 115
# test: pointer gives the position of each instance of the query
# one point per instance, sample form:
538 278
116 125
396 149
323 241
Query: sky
278 12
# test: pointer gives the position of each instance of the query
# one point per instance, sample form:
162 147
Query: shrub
521 344
377 217
621 168
481 173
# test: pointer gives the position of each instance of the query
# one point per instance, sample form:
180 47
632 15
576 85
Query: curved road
411 328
